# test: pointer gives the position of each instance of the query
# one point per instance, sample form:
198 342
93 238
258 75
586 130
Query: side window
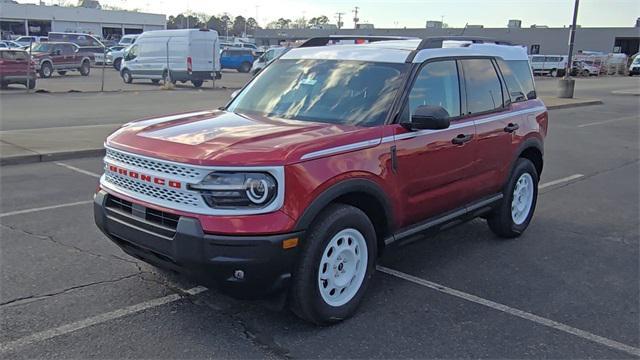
269 55
437 84
484 90
67 49
537 59
517 75
132 53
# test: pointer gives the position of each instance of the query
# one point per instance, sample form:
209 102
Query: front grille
157 217
158 166
186 199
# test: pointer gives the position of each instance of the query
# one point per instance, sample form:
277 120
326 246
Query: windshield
41 47
330 91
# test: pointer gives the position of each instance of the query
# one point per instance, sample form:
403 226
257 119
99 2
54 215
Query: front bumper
209 259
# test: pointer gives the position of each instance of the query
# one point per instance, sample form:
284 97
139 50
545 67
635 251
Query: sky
405 13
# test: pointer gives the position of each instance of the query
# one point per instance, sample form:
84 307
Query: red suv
324 159
16 68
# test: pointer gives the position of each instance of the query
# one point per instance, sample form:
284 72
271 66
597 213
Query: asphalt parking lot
568 288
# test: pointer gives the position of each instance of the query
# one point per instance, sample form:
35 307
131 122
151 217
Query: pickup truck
60 57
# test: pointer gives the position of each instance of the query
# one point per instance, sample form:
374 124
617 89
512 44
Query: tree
226 23
299 23
215 23
283 23
320 20
184 22
252 25
239 25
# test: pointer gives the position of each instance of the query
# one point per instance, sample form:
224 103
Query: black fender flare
359 185
532 142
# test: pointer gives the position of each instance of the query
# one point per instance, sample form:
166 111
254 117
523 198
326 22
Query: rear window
517 75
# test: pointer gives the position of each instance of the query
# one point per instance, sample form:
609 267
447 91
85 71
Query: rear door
69 54
434 170
201 52
489 106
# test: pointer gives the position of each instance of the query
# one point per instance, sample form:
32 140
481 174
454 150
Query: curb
625 93
572 105
52 156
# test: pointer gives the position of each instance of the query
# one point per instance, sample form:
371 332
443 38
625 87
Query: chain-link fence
62 68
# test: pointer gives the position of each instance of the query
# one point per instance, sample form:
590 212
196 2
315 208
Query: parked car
237 59
327 157
266 58
87 43
634 68
28 40
60 57
115 55
173 55
552 65
8 44
16 68
127 40
584 68
238 45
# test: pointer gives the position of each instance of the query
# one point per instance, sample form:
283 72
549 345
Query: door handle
511 127
461 139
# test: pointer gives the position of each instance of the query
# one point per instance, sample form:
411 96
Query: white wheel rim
47 71
522 199
342 267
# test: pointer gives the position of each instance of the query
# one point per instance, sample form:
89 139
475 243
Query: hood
224 138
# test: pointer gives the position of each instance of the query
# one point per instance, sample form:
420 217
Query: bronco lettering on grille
144 177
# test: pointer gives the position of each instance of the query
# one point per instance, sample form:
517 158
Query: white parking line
513 311
560 181
95 320
26 211
81 171
609 121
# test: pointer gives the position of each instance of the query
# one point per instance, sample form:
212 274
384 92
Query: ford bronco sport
324 159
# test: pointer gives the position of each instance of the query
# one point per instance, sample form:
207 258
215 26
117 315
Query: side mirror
234 94
261 59
429 117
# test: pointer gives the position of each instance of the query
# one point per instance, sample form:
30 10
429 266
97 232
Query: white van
173 55
266 58
553 65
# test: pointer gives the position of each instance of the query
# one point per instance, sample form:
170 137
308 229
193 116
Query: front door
434 167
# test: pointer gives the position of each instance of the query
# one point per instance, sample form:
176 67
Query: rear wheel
31 83
197 83
554 73
85 68
126 76
512 217
62 72
335 266
245 67
155 81
4 85
46 70
117 63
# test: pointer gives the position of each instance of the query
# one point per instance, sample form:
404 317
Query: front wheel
335 266
554 73
512 217
31 84
117 63
46 70
245 67
126 76
85 68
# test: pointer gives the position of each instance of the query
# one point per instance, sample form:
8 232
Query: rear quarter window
517 75
14 55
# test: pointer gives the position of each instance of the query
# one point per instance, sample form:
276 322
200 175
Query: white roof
397 51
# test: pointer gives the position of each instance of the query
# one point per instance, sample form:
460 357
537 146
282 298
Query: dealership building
30 19
538 40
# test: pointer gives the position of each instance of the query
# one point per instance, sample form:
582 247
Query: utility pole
567 84
339 15
355 17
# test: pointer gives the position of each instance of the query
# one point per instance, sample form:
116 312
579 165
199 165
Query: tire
62 72
4 85
126 76
554 73
520 192
46 70
314 298
117 63
165 78
31 84
155 81
245 67
85 68
197 83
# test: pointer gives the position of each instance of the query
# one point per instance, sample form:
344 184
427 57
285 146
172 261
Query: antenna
464 28
355 17
339 15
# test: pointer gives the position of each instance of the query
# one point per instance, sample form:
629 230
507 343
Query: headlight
237 189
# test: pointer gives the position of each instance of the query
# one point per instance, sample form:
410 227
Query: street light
567 84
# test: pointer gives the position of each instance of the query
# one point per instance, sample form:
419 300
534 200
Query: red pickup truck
60 57
323 160
16 68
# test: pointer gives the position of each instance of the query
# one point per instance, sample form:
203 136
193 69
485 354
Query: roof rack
436 42
326 40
